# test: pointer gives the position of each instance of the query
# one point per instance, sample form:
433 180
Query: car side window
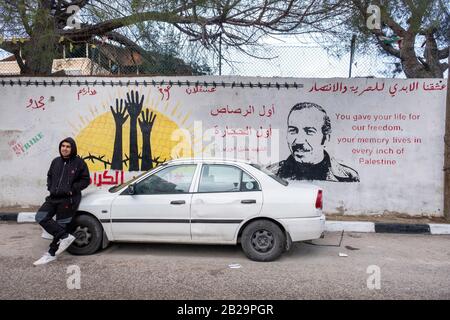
225 178
174 179
248 183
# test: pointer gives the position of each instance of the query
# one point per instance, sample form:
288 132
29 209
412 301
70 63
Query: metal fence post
352 54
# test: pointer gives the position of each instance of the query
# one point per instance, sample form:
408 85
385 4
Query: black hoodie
68 176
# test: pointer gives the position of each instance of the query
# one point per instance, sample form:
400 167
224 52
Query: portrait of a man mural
308 132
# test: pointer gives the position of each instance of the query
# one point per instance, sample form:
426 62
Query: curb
9 216
402 228
331 226
349 226
23 217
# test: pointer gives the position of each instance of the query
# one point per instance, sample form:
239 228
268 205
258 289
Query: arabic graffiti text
36 103
105 178
86 91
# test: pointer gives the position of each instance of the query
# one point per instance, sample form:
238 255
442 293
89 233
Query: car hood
99 196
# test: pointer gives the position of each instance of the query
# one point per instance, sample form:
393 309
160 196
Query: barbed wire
125 161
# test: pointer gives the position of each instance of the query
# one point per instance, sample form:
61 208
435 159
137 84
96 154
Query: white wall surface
408 115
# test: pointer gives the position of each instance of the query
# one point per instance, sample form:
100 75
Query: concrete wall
386 135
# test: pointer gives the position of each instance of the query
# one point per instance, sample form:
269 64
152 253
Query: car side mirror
131 189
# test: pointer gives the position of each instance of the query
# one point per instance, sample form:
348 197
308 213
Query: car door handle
248 201
178 202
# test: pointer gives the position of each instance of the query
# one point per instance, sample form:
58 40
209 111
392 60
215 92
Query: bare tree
236 22
413 31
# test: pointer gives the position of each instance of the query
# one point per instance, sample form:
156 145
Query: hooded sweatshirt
68 176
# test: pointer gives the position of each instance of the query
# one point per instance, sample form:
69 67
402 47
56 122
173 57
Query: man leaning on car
67 176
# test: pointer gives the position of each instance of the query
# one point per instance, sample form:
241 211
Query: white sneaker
64 244
46 235
46 258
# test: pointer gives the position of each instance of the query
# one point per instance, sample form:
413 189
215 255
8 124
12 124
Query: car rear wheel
263 240
88 233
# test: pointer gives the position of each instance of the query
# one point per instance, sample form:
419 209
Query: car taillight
319 202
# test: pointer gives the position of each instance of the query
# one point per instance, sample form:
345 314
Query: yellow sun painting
96 137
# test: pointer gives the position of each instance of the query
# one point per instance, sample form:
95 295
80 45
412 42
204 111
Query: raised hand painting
134 107
146 125
119 119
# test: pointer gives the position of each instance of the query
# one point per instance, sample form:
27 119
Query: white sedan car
203 201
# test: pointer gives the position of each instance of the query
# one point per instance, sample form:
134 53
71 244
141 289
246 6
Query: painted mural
123 137
369 143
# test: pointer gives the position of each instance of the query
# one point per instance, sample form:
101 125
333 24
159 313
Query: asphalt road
411 267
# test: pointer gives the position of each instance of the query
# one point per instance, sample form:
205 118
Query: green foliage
410 19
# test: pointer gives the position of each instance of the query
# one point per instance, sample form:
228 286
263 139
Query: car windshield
270 174
120 186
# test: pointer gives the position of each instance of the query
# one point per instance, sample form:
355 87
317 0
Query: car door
159 209
226 195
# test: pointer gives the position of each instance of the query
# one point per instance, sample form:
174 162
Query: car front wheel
88 233
263 240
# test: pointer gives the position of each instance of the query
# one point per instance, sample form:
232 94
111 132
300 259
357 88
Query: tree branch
110 25
23 16
389 49
115 36
19 61
443 53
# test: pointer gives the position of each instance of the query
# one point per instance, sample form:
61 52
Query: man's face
305 136
66 148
